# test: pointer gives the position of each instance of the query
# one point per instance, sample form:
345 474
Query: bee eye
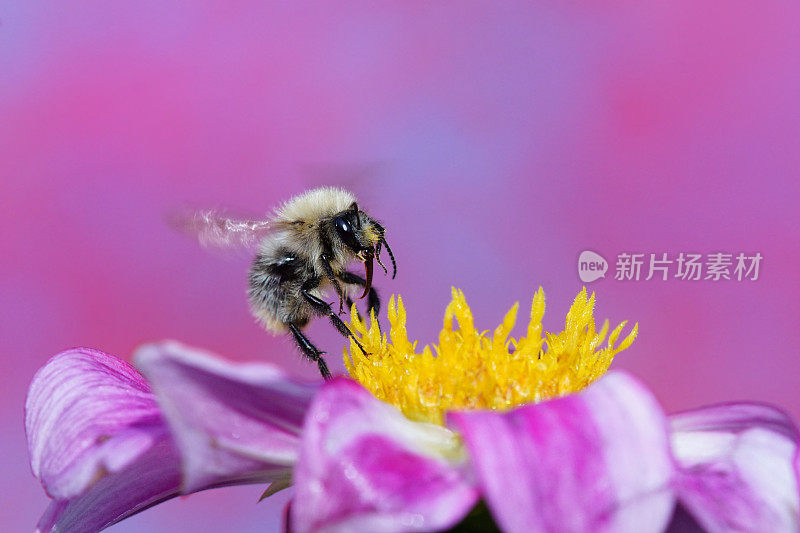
347 233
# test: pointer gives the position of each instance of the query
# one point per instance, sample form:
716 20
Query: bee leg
310 351
373 301
326 265
324 308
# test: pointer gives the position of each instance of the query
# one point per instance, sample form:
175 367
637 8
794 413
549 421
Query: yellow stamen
473 370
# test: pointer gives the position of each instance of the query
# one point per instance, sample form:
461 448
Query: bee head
364 238
354 228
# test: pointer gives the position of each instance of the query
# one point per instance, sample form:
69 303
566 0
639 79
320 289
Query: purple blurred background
495 142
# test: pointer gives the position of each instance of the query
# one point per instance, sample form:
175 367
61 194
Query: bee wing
214 229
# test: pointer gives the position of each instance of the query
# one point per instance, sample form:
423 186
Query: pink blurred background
495 142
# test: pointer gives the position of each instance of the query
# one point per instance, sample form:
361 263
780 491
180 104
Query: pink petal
87 414
151 479
104 449
596 461
97 441
365 467
229 421
737 469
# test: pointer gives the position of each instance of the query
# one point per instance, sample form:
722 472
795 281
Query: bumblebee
303 250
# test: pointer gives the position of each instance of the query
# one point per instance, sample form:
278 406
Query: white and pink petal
365 467
737 467
596 461
106 446
97 442
153 478
87 414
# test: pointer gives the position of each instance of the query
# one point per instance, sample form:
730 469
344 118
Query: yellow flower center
475 370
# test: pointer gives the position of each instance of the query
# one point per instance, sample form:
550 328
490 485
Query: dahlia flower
533 434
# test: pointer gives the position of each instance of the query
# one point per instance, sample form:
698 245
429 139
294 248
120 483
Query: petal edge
737 467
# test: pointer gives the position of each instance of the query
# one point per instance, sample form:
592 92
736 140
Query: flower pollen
476 370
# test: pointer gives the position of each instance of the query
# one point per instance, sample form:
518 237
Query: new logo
591 266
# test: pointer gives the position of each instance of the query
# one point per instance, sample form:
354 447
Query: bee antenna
391 256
